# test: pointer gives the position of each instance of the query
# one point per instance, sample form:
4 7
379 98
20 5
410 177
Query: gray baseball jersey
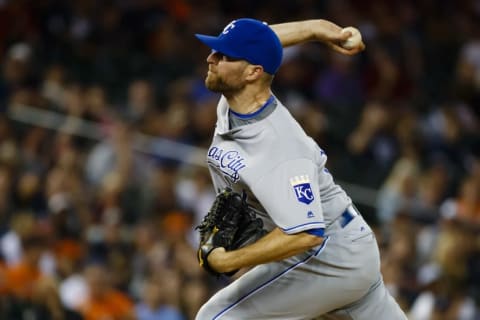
283 172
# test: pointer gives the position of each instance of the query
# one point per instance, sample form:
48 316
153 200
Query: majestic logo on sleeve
303 190
230 162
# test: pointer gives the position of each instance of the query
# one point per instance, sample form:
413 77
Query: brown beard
216 84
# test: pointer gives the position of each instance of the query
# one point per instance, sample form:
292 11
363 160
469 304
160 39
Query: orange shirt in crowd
468 211
113 306
20 279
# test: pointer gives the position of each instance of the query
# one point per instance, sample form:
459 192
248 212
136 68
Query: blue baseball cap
248 39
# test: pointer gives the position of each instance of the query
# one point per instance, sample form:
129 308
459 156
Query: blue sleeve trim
304 225
319 232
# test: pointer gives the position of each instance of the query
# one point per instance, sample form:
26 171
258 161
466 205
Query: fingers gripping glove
230 223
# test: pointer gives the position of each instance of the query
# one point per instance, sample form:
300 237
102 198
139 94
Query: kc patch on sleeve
302 188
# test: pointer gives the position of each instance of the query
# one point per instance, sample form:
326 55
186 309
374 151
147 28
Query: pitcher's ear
254 72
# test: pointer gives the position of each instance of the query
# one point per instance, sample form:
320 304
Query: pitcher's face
225 74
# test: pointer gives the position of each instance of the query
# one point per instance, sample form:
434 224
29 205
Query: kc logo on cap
229 26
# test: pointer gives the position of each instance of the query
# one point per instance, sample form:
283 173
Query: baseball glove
231 224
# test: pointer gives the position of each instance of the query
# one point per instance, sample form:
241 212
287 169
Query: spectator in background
47 304
154 303
196 293
114 153
22 226
443 282
98 107
28 194
22 284
466 206
54 85
440 298
195 195
339 78
17 74
399 189
33 151
202 119
72 288
146 246
399 260
140 100
372 144
9 149
44 303
20 278
103 300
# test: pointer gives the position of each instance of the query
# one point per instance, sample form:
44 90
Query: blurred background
104 121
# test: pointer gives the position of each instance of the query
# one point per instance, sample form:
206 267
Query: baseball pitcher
278 208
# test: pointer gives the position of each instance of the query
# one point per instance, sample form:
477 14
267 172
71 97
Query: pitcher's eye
226 58
223 57
230 59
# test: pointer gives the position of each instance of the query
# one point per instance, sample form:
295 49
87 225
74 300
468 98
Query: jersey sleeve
290 195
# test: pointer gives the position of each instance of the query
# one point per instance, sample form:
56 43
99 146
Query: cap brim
217 44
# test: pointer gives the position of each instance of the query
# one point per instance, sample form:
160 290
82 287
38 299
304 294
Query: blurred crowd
101 226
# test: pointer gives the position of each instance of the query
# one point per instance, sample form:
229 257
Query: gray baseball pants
338 280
